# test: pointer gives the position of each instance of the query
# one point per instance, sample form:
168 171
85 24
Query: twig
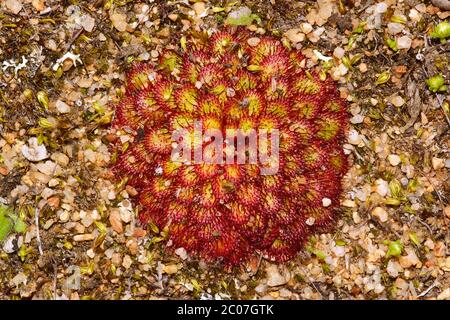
368 4
428 290
258 266
441 201
357 154
436 189
425 224
442 107
313 285
318 291
38 236
72 40
97 3
55 280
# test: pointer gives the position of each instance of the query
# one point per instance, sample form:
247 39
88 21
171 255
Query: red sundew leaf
140 77
186 99
274 66
158 140
265 48
221 43
209 105
288 243
209 75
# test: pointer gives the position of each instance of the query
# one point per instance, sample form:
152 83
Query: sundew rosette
225 210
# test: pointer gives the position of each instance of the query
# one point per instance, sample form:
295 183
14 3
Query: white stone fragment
404 42
326 202
33 151
394 159
380 214
62 107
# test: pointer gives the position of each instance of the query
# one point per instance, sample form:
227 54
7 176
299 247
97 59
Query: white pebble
310 221
64 216
381 7
437 163
87 22
397 101
339 251
253 41
394 159
382 187
90 253
181 252
83 237
394 28
380 213
33 151
404 42
306 27
62 107
354 137
14 6
357 119
326 202
339 52
294 35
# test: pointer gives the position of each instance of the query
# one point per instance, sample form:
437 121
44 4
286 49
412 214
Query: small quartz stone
87 22
253 41
83 237
326 202
14 6
62 107
181 252
34 151
306 28
395 28
354 137
116 221
119 21
397 101
382 187
380 213
170 269
357 119
437 163
295 35
200 9
394 159
339 52
274 277
127 262
404 42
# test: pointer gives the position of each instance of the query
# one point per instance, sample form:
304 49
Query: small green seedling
441 31
395 249
436 83
9 222
392 43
